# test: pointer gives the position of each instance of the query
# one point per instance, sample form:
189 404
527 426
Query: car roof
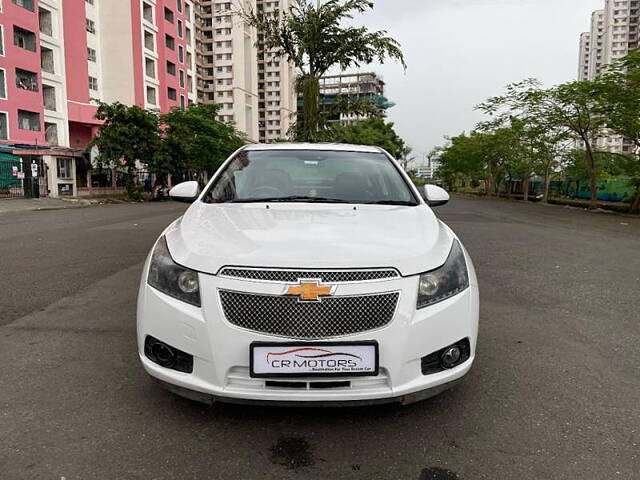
339 147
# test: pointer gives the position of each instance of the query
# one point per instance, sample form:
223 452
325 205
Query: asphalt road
555 392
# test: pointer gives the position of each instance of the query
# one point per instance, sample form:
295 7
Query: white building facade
253 87
614 34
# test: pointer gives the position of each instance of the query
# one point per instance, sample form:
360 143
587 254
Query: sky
460 52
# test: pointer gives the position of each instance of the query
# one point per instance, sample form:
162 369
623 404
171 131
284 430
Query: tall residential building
596 45
366 86
585 53
614 34
226 58
59 58
276 83
620 29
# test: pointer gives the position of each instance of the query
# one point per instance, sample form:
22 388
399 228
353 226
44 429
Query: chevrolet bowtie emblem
310 290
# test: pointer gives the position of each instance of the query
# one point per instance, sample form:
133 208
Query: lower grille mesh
285 316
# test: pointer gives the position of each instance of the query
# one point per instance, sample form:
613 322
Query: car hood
303 235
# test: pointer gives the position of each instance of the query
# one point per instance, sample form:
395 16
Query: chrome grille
326 276
286 316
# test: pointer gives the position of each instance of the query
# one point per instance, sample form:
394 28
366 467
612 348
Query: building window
2 40
46 60
90 2
179 5
180 54
171 93
150 67
169 42
93 83
91 26
49 97
24 39
44 18
188 31
182 101
51 133
4 129
65 168
28 4
151 95
171 68
3 84
147 12
187 11
28 120
168 15
149 42
26 80
91 54
180 31
181 78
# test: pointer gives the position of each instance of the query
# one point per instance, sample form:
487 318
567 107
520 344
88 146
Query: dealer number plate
314 359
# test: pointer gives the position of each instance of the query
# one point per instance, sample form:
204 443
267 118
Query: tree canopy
194 140
188 142
374 131
532 130
315 39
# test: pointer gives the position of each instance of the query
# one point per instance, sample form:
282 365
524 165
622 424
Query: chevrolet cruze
308 274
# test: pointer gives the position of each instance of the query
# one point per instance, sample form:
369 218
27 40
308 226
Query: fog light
446 358
164 354
451 357
167 356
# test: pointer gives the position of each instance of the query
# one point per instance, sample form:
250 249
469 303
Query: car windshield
311 176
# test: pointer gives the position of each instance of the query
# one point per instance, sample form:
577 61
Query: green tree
572 109
128 135
373 131
464 160
196 142
620 105
315 39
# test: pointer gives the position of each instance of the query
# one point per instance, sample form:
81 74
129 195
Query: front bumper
221 350
402 400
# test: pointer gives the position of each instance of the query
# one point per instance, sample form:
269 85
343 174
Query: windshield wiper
292 198
393 202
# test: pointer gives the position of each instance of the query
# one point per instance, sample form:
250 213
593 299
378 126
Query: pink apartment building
60 58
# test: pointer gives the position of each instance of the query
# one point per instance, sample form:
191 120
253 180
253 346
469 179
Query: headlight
446 281
170 278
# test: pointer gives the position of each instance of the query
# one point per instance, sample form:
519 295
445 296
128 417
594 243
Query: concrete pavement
28 204
554 392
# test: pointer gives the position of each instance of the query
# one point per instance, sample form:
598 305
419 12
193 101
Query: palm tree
314 39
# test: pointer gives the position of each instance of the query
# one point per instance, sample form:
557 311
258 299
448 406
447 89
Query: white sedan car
311 275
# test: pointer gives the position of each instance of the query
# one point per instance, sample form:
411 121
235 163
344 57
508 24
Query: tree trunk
591 167
547 181
525 187
635 203
489 180
509 187
308 127
489 185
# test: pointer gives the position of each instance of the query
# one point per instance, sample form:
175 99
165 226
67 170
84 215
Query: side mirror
185 192
434 195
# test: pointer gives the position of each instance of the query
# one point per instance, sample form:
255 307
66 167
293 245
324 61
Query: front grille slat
326 276
286 316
